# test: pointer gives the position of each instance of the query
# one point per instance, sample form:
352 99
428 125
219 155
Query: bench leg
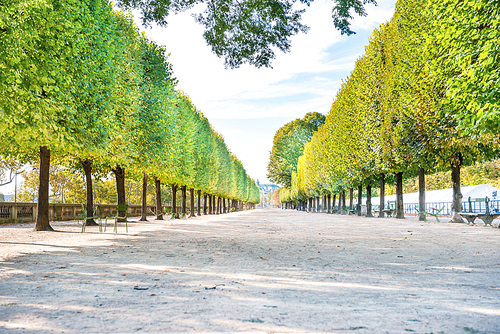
487 221
471 220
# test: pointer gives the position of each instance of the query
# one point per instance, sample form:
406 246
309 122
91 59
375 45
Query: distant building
264 190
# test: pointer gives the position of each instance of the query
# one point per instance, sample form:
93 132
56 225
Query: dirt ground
266 270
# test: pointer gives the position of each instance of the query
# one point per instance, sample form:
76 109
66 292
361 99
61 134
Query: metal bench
487 217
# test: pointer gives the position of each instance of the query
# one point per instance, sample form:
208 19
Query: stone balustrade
26 212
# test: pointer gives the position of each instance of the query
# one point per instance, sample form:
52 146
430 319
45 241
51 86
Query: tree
463 35
247 31
288 145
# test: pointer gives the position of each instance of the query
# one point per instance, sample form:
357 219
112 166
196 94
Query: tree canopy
288 144
79 82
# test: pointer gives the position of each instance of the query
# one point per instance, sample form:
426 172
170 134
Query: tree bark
199 202
456 163
120 189
191 207
144 209
351 199
343 203
381 213
224 205
400 214
174 201
205 196
87 169
329 207
421 194
369 201
333 201
209 204
42 215
360 198
184 200
159 215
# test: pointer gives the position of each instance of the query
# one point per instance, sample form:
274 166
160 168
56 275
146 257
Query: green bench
486 217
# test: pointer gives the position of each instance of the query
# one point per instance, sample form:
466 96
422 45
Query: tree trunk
351 199
329 207
87 169
120 190
381 213
369 201
191 207
184 200
205 196
456 163
174 201
42 215
224 204
333 201
343 203
400 214
159 215
210 205
144 209
360 198
421 194
199 202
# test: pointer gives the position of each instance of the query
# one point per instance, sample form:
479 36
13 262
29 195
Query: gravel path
265 270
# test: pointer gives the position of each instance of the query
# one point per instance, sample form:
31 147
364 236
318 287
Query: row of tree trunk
211 204
314 204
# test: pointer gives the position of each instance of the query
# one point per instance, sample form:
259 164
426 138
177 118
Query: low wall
26 212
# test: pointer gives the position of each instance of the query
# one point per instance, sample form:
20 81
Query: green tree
288 145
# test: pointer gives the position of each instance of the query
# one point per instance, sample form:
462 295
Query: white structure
445 195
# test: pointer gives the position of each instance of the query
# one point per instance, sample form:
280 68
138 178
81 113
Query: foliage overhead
247 31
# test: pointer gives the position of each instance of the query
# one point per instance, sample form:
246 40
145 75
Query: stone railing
26 212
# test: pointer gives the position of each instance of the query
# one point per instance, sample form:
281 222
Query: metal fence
475 207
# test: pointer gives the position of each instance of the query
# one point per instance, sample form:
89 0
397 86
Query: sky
248 105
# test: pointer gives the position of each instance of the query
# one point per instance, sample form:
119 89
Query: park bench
487 217
390 209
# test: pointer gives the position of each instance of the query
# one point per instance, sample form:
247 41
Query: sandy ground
265 270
